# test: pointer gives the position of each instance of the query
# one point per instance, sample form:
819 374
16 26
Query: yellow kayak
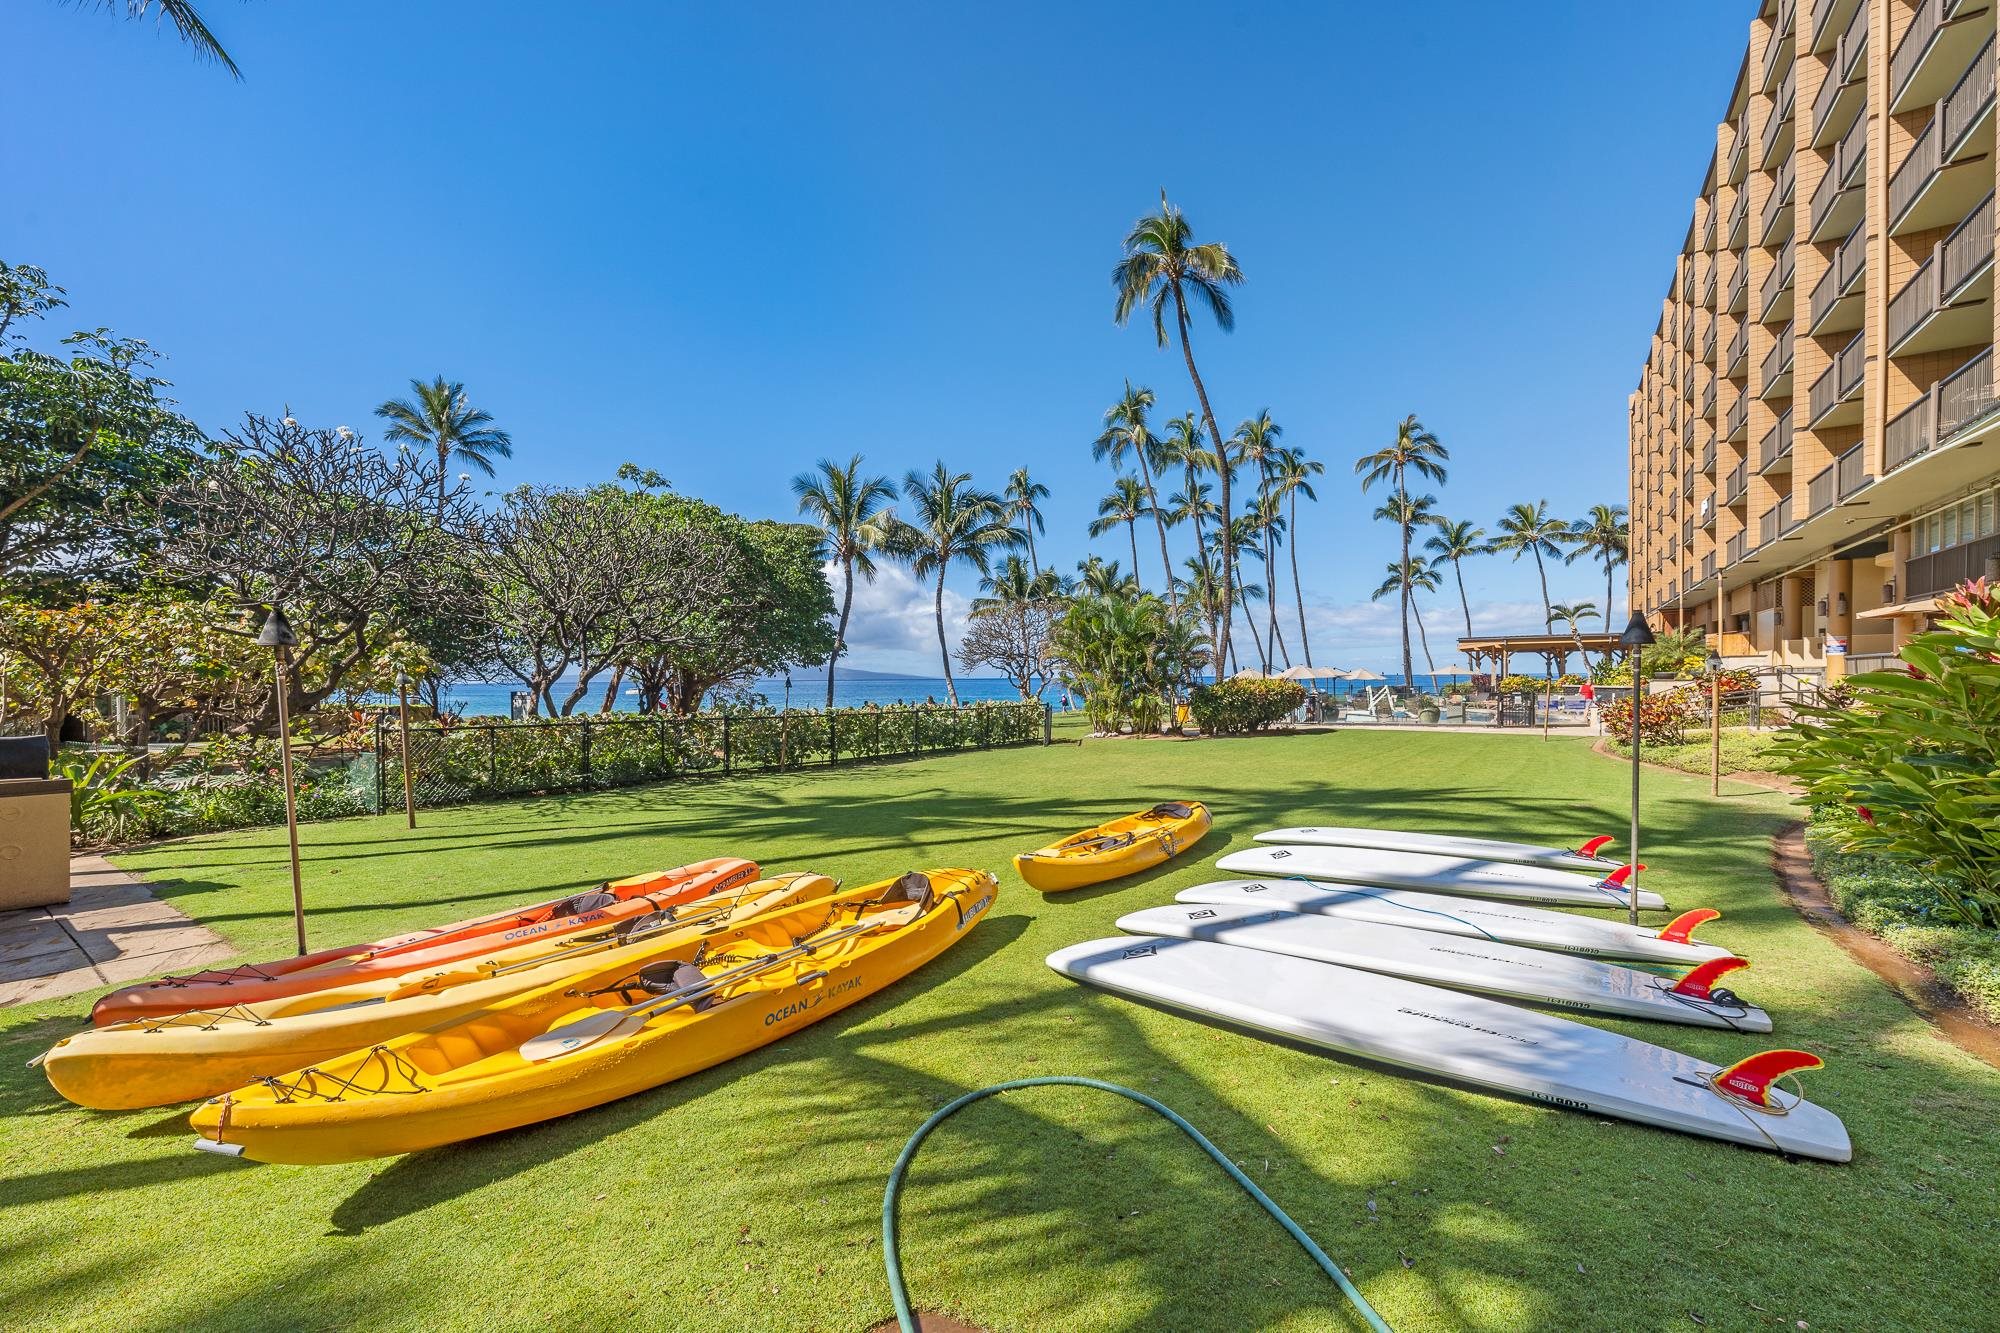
1120 847
601 1034
186 1057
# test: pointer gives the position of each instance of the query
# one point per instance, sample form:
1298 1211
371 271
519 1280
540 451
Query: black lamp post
1637 635
1714 723
277 635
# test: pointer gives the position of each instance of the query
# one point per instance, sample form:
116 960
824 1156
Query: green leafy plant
1915 754
1232 707
102 794
1663 718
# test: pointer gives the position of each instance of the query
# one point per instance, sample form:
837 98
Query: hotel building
1815 441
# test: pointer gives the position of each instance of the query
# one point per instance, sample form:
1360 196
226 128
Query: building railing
1914 304
1967 251
1850 261
1708 336
1708 398
1781 38
1967 101
1848 50
1853 470
1781 115
1783 187
1739 343
1779 359
1735 548
1771 524
1739 416
1777 280
1965 393
1915 172
1942 570
1909 434
1687 531
1708 565
1843 169
1739 215
1777 442
1739 151
1708 457
1739 481
1917 39
1819 492
1838 382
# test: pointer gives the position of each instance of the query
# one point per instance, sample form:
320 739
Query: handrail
1968 98
1967 250
1915 303
1915 172
1909 52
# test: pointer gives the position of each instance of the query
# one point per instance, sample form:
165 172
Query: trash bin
34 826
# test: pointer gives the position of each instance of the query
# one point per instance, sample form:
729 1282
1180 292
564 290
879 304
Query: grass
748 1197
1742 752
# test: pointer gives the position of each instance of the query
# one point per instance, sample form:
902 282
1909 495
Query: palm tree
1256 443
1407 578
956 523
1183 447
849 509
1571 613
1268 514
1530 529
181 14
1413 450
1242 537
1603 534
1098 577
439 416
1127 503
1125 431
1162 264
1015 583
1024 496
1455 541
1291 477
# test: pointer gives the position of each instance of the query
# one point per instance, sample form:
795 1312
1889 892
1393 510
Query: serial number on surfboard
1470 1027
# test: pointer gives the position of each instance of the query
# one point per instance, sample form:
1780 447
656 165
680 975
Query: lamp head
277 631
1638 634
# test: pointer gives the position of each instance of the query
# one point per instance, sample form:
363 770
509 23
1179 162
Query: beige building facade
1815 439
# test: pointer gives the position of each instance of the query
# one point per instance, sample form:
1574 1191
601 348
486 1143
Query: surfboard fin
1700 983
1616 879
1594 846
1750 1079
1682 928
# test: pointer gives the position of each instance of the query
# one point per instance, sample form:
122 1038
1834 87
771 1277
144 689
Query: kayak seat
914 887
581 903
1170 810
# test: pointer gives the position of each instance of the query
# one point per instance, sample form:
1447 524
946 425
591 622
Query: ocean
480 699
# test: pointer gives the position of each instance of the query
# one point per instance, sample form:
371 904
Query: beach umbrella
1363 674
1249 673
1313 673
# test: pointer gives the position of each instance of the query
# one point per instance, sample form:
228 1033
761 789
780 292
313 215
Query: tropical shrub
1232 707
1915 755
1520 684
1663 718
1129 657
104 794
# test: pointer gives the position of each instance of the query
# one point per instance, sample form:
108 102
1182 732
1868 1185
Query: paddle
590 1030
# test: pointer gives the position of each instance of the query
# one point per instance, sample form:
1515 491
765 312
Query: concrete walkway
111 930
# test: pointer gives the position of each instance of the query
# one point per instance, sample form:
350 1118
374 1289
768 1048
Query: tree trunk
444 469
1132 531
840 633
611 691
1298 591
1548 607
950 686
1271 595
1402 494
1607 595
1424 639
1160 522
1034 565
1221 449
1464 602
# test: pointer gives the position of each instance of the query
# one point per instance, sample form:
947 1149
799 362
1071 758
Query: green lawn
748 1197
1742 751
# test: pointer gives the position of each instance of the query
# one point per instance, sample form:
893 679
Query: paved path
112 929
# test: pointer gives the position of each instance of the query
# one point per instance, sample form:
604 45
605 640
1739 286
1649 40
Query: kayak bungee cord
892 1261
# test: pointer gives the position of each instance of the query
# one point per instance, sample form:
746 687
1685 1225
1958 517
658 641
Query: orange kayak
616 903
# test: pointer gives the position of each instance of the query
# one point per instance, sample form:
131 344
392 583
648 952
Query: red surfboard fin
1681 929
1700 983
1750 1079
1616 879
1594 846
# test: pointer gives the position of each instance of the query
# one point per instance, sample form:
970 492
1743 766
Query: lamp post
1714 723
403 725
1637 635
278 637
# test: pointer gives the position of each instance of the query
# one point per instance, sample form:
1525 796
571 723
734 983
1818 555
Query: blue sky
724 241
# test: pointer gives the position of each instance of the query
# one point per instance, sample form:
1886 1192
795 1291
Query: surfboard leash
892 1260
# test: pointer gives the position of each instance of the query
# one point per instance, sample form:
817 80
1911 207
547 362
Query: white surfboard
1473 1041
1505 923
1584 858
1439 874
1563 981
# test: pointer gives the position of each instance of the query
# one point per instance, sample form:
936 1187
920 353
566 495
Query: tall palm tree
1269 514
1256 444
1413 450
1454 542
1098 577
1127 503
1242 534
851 512
1407 578
1126 431
1014 583
1605 535
1184 447
1291 477
956 523
439 416
1163 265
185 20
1024 496
1529 529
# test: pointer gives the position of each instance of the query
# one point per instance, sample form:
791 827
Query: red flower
1867 815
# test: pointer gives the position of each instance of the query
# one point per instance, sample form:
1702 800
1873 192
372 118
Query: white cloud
893 626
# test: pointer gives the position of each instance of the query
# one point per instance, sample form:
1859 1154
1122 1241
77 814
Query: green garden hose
893 1262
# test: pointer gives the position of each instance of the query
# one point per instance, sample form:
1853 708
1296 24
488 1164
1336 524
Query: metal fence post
585 742
784 740
492 758
1048 724
832 737
381 776
725 743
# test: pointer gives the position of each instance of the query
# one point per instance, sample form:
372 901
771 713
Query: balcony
1819 492
1739 482
1776 371
1737 165
1739 420
1953 401
1837 200
1950 164
1940 570
1948 301
1835 306
1739 285
1776 522
1941 39
1829 17
1708 399
1777 140
1843 89
1774 299
1778 51
1835 397
1708 566
1735 549
1774 452
1851 468
1707 353
1687 531
1708 458
1776 224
